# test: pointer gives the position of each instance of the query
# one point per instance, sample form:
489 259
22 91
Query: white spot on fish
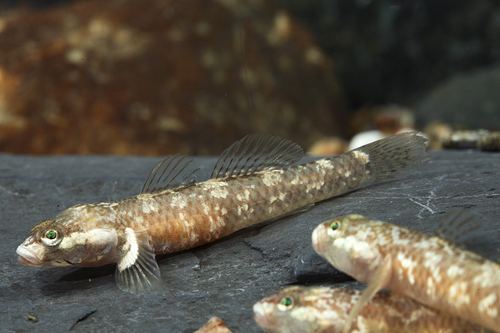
431 287
454 271
361 156
295 181
271 178
149 206
325 163
178 201
409 265
247 194
485 305
432 262
458 293
205 207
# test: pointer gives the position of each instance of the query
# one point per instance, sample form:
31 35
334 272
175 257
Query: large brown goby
257 179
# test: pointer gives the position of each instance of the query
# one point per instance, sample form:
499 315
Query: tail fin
391 155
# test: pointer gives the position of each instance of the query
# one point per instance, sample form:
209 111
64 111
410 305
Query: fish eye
51 237
286 303
51 234
334 225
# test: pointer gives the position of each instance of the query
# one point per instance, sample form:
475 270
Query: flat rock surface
223 279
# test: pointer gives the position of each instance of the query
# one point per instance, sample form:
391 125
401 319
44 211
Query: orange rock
214 325
125 77
328 146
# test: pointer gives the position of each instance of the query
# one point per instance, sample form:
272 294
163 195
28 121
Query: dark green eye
286 301
51 234
335 225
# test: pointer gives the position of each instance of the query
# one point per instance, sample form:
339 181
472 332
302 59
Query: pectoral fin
378 281
137 271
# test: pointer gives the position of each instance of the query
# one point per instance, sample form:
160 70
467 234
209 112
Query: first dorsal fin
173 171
254 153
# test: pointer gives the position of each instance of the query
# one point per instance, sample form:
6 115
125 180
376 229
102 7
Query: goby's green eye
286 301
51 234
335 225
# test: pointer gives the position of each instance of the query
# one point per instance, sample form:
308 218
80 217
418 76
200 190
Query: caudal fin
391 155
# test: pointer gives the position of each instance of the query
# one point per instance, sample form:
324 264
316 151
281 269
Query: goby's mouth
27 257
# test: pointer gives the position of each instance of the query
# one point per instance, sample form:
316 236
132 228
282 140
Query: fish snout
320 238
261 315
27 256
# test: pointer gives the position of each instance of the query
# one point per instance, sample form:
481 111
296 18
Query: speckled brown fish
477 139
429 269
256 179
326 310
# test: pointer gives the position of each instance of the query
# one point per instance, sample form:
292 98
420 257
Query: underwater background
164 76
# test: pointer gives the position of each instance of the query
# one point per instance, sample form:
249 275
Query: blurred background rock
165 76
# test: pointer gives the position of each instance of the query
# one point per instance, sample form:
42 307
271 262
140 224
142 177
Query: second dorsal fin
254 153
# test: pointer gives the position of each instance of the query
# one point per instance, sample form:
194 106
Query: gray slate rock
222 279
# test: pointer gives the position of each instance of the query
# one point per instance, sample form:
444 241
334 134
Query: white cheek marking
132 249
94 236
351 244
303 314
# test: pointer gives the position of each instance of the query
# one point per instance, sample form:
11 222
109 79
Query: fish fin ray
137 271
380 279
171 172
255 153
391 155
457 225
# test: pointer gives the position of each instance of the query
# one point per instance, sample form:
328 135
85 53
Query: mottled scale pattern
327 309
435 272
195 215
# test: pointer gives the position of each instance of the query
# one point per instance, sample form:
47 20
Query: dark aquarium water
165 76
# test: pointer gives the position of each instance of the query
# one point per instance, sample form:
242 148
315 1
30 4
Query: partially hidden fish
214 325
429 269
258 178
476 139
326 310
